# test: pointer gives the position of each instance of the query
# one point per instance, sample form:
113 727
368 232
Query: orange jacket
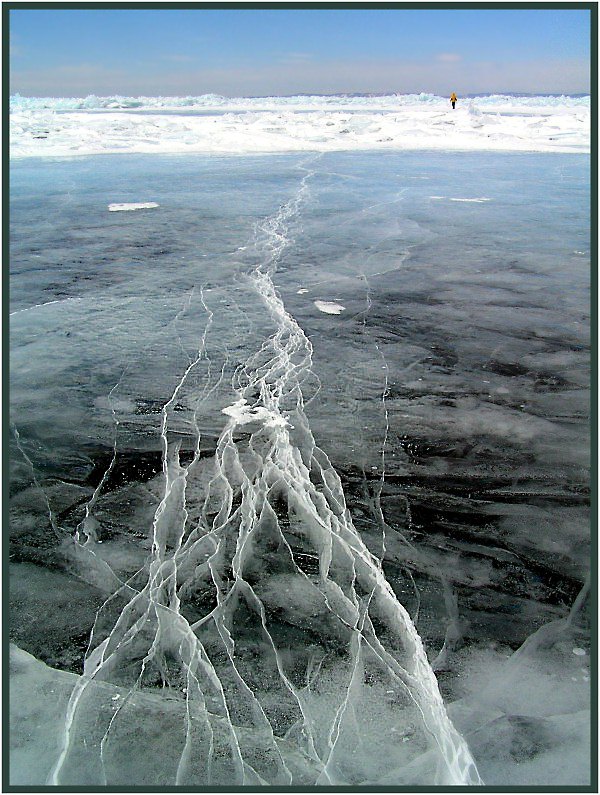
453 97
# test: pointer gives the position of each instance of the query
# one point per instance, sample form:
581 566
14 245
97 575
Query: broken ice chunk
329 307
125 207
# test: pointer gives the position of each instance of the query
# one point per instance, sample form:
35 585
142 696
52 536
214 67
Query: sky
254 52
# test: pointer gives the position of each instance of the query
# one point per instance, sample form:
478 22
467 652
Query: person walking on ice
453 99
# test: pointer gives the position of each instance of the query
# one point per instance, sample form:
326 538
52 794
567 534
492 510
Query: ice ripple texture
283 646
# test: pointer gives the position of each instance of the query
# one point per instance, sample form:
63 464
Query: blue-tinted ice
274 435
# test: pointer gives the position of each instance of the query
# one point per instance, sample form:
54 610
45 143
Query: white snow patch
126 207
457 199
483 199
302 290
579 652
329 307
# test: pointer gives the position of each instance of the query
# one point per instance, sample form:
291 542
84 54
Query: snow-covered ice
67 127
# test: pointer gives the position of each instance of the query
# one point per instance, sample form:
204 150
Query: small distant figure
453 99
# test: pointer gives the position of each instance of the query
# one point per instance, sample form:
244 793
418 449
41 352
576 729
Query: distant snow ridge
55 127
92 102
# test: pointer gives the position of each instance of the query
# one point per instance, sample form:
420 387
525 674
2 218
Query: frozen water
255 530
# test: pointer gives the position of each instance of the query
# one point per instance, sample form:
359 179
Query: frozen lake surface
299 469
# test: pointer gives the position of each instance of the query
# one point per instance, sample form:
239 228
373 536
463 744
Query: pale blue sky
57 52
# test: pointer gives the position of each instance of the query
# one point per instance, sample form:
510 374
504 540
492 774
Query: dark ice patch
509 369
139 465
42 619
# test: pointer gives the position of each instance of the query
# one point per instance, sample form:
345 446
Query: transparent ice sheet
249 487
